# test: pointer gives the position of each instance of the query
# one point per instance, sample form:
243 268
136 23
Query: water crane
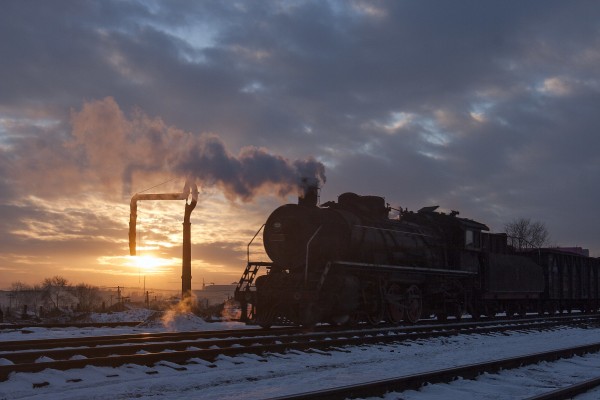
189 192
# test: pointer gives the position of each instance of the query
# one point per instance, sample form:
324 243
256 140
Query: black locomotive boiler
347 261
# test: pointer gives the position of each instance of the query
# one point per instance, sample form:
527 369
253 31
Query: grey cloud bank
485 107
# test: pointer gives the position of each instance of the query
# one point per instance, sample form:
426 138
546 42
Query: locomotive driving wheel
309 315
395 311
413 304
374 304
375 317
266 317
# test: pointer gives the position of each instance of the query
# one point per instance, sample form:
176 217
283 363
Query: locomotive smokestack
309 192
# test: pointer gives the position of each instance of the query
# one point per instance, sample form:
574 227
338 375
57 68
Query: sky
489 108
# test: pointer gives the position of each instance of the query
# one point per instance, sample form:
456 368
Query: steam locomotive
344 262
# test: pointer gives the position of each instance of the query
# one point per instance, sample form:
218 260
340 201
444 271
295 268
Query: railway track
180 348
570 391
135 338
471 371
422 331
5 326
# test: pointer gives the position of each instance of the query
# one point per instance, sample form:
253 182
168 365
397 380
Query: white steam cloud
107 151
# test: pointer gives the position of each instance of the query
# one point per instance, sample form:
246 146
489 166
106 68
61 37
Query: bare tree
527 232
88 296
35 297
18 290
26 295
55 289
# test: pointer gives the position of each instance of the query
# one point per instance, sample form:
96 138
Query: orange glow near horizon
149 264
133 266
89 241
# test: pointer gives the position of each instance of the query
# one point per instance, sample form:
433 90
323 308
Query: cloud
107 149
490 109
207 159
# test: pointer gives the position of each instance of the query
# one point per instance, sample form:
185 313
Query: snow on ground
135 314
512 384
256 377
152 322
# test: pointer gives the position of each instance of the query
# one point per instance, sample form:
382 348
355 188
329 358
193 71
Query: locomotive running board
399 268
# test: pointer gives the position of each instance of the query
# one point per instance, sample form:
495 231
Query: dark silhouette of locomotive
346 261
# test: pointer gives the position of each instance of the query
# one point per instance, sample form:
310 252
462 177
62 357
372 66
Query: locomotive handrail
391 230
307 250
405 268
252 240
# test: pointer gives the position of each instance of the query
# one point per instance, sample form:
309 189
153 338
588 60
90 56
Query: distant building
212 294
576 250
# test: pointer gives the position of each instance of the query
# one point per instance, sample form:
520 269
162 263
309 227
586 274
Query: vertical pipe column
186 259
132 225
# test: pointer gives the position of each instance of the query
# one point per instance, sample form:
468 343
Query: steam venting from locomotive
107 145
308 192
244 175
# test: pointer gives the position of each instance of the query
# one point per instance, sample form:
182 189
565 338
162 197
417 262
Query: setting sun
149 264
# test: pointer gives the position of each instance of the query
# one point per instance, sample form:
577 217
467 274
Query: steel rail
70 325
510 324
415 381
568 392
25 361
38 344
138 338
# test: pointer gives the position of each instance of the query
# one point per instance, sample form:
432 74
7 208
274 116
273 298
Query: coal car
347 261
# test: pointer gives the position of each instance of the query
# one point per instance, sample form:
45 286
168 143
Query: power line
162 183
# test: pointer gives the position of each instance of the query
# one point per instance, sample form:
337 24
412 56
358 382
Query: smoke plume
108 150
206 158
